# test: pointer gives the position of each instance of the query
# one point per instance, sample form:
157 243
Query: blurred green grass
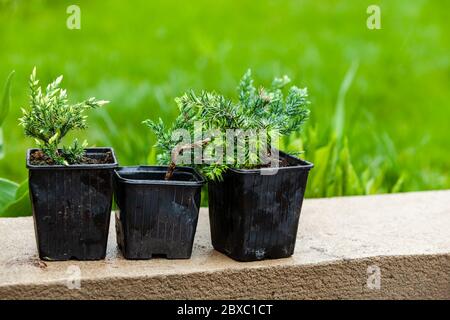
142 54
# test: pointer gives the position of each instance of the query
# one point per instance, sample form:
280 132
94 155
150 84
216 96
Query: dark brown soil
283 163
38 158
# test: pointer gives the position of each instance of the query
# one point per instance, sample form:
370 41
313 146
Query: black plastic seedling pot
255 216
72 207
156 217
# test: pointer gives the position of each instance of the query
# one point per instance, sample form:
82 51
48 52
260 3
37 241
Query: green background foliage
380 101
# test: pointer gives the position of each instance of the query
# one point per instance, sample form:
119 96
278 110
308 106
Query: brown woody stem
176 152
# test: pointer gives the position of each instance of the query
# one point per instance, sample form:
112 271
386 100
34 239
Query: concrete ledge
404 236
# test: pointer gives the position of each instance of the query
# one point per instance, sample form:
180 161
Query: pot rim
303 165
97 150
200 180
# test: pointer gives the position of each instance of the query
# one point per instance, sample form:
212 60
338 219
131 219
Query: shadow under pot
72 205
156 217
254 214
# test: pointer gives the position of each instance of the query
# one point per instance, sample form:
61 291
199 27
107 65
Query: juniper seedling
51 117
268 110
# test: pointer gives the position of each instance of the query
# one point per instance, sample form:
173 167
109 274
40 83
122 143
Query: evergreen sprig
51 117
256 109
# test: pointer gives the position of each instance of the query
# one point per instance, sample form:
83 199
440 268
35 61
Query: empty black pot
156 217
72 207
255 216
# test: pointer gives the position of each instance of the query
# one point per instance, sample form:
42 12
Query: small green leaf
53 138
339 116
102 102
2 151
33 73
8 191
323 167
350 180
6 99
58 81
20 207
22 189
399 183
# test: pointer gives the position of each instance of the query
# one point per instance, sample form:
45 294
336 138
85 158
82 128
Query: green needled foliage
51 117
269 111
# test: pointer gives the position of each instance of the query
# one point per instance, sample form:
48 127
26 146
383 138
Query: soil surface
40 159
283 162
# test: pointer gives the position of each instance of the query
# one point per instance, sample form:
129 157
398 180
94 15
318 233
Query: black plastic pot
72 207
156 217
255 216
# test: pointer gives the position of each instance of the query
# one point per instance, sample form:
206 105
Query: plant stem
176 152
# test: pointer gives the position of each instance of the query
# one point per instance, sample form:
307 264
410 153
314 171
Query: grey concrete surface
342 245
